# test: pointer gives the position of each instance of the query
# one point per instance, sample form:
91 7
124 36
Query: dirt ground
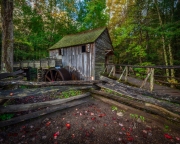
93 122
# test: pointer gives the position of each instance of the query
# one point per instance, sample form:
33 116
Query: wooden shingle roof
78 39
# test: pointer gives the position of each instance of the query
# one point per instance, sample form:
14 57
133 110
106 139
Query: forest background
143 32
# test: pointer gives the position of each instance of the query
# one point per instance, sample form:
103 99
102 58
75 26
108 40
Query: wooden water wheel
53 74
75 75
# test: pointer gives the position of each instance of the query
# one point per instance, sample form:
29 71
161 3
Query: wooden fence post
105 69
122 74
114 71
145 80
152 80
126 73
110 72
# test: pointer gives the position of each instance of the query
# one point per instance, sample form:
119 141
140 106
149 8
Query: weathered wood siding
76 60
47 63
55 54
101 44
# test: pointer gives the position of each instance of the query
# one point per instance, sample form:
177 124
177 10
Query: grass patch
69 93
6 116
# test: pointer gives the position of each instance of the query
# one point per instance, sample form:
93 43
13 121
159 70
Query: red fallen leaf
68 126
105 124
56 134
101 115
128 134
130 129
113 118
13 134
48 123
87 134
130 138
123 128
37 129
93 118
168 136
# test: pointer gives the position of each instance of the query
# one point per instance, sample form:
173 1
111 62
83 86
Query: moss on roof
78 39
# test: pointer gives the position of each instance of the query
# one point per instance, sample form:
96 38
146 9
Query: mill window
83 48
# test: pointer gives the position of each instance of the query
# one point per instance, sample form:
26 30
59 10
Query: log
169 106
54 83
25 107
20 93
5 75
40 113
169 98
140 105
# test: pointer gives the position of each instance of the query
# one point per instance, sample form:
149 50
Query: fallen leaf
93 118
113 118
177 138
56 134
48 123
44 137
121 124
130 138
101 115
92 113
123 128
105 124
128 134
119 139
13 134
144 131
68 125
120 114
11 94
168 136
73 136
87 134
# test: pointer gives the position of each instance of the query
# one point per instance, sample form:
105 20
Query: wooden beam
136 104
31 106
54 83
139 104
131 94
20 93
40 113
5 75
126 88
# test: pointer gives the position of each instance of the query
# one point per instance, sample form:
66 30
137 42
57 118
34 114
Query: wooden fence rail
127 70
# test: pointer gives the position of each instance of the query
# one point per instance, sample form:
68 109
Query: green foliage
69 93
113 108
92 14
135 116
6 116
166 128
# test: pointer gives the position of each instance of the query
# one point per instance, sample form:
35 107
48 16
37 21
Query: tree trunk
7 35
163 39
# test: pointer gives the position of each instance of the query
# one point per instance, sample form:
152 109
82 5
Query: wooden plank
54 83
161 94
20 93
25 107
139 104
40 113
169 106
5 75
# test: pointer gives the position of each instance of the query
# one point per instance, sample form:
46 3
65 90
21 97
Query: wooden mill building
84 52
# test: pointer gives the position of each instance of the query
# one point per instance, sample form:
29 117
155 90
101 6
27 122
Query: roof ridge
86 31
